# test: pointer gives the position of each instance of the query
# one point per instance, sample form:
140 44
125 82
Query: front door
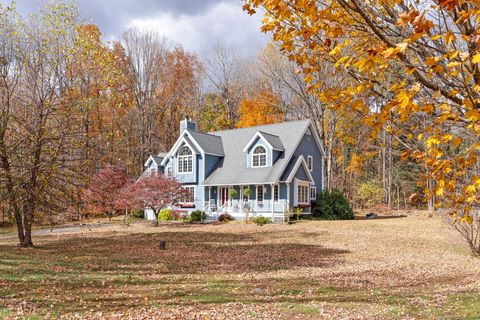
223 196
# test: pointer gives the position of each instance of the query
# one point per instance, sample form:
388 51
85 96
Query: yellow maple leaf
476 58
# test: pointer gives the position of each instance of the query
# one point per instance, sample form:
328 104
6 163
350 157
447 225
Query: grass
4 313
309 270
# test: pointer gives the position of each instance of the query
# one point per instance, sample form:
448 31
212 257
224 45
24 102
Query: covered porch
240 200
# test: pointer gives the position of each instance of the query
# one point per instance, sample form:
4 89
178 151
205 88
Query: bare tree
38 158
146 52
223 69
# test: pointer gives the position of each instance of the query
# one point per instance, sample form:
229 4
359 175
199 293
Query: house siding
308 147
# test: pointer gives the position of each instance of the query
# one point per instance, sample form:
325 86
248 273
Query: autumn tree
179 94
154 192
263 107
414 71
213 114
39 160
101 194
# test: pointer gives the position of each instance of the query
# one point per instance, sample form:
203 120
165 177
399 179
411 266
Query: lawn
414 267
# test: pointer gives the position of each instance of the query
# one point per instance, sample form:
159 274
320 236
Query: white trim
317 140
315 193
259 154
256 193
195 143
149 160
300 161
191 155
258 134
275 185
237 184
193 193
301 183
310 157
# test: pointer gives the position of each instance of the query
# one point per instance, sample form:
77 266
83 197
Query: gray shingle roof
233 169
274 141
157 159
211 144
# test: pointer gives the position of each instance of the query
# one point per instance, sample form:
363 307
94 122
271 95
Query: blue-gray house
280 164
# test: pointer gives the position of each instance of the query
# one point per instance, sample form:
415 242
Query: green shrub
165 215
332 205
232 193
225 217
137 214
198 215
260 220
369 194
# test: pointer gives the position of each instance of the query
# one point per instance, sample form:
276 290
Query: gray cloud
196 24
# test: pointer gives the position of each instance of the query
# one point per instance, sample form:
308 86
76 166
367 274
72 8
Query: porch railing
240 206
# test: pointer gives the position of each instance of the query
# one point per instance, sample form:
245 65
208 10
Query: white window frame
310 163
187 197
259 155
303 193
313 196
276 195
262 193
181 160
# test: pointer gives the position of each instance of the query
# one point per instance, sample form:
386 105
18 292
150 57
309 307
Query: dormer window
185 160
259 157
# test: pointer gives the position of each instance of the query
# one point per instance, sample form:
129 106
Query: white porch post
209 198
240 198
288 195
272 205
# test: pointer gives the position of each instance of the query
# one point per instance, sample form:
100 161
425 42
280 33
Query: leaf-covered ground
405 268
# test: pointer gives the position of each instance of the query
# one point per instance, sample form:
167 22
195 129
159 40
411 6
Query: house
280 164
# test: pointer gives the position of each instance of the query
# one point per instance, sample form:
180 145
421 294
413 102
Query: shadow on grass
106 271
187 252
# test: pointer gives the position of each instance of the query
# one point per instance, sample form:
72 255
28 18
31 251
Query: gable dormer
263 150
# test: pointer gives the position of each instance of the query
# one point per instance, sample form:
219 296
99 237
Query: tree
101 195
179 94
413 71
39 162
263 107
154 192
146 53
225 71
213 115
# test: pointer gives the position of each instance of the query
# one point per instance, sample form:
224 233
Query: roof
274 141
211 144
233 169
156 159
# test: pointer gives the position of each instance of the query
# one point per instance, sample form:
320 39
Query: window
189 196
310 163
259 158
185 160
313 193
275 192
259 193
169 172
303 194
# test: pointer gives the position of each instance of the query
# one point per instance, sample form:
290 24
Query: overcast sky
196 24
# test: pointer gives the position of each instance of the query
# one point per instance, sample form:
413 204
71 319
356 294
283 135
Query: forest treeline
72 103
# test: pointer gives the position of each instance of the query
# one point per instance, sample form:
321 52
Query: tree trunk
20 230
27 226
